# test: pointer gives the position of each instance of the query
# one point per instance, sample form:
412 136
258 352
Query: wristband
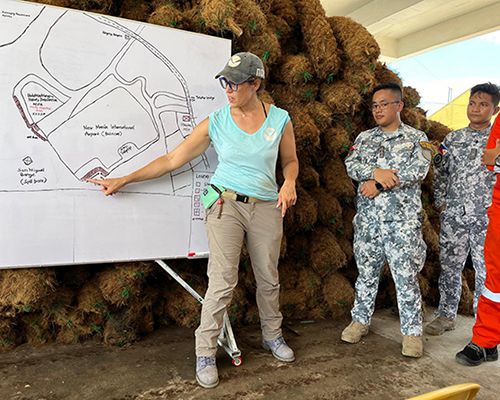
497 161
379 186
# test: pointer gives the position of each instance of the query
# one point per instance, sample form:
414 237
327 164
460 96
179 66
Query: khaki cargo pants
261 225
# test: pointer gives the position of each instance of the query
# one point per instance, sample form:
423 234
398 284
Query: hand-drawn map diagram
82 96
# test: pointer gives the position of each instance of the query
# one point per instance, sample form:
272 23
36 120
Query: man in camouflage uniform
486 330
390 162
462 191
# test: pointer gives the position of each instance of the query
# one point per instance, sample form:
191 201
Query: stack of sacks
322 70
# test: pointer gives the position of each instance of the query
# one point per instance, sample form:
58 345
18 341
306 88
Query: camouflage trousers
400 243
460 234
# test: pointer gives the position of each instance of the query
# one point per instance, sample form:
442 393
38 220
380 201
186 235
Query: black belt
239 197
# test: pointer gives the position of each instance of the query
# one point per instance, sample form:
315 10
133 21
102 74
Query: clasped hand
386 177
368 189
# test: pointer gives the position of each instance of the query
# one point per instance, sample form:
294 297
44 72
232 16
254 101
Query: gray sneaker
439 326
206 372
280 349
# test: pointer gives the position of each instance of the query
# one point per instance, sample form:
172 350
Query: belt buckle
242 198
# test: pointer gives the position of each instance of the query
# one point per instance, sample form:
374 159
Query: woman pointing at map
242 203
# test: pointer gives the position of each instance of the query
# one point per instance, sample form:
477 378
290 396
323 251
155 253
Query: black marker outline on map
120 54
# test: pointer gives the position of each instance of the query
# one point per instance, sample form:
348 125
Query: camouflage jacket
406 150
461 183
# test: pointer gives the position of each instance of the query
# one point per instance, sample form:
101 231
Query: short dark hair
392 86
488 88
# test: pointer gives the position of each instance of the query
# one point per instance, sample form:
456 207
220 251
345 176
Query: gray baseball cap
241 67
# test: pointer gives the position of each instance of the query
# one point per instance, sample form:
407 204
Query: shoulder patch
428 149
438 159
429 146
442 149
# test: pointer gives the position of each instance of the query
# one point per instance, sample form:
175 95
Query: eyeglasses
232 86
383 106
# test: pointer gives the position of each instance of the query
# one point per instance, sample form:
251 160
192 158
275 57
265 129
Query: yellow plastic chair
464 391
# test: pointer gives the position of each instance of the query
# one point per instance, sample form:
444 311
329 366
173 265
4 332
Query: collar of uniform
483 131
393 135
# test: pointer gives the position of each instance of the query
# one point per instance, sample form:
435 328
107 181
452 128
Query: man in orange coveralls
486 331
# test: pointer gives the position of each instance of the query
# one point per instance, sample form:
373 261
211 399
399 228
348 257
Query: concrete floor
161 367
442 350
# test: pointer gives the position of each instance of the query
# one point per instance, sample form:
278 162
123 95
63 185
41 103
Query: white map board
85 95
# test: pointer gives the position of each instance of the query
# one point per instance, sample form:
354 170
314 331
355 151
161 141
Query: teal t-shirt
247 162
